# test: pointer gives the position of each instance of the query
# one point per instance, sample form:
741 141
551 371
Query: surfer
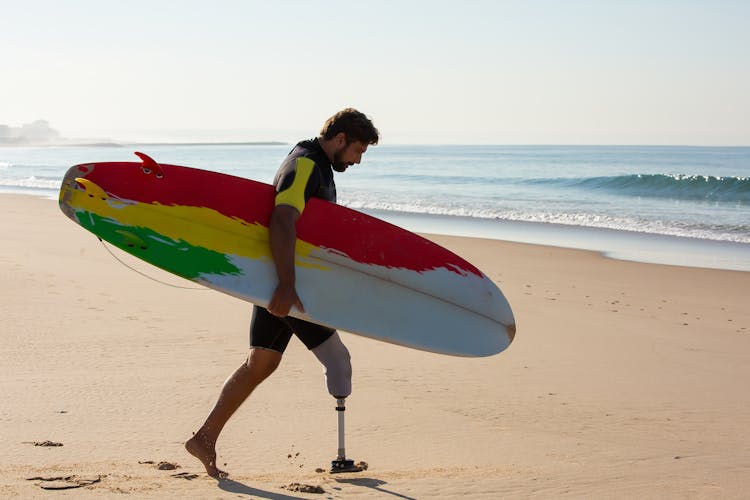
306 172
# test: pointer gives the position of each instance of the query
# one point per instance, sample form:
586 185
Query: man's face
349 154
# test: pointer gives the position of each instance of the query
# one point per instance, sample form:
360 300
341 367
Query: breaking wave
667 186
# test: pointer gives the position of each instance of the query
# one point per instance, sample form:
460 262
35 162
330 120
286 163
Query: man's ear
340 139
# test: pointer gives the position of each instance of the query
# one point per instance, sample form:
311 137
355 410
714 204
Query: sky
426 72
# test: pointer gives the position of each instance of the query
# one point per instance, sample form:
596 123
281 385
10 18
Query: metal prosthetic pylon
342 464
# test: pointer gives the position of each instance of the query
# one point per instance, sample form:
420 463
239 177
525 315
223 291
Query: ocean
671 205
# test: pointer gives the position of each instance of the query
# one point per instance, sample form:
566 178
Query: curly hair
355 126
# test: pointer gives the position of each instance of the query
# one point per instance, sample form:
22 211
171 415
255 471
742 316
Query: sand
625 380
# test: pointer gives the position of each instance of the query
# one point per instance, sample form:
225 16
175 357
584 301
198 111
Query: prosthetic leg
338 369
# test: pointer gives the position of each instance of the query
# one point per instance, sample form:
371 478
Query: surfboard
355 272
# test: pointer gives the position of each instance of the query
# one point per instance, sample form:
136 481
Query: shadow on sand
375 484
243 489
231 486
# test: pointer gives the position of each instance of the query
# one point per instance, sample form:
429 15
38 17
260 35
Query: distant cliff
35 133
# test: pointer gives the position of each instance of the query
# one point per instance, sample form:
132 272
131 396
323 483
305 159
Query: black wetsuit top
306 172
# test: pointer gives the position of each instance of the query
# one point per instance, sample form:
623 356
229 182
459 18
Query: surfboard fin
131 240
150 165
91 188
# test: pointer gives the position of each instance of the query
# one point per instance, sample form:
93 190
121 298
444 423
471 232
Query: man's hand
284 297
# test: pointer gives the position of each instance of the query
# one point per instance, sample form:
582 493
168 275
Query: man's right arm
294 189
283 237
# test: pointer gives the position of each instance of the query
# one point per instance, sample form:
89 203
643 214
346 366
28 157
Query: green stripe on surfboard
178 257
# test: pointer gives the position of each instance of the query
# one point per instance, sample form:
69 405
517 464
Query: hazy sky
470 72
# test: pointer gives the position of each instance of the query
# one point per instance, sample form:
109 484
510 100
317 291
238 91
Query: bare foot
204 450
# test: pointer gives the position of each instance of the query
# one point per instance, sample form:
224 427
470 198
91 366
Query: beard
338 165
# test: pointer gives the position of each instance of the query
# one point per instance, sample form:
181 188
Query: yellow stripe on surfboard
208 228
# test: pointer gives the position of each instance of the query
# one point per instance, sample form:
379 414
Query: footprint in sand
44 443
185 475
64 482
304 488
161 465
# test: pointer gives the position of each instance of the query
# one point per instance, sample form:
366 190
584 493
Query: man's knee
334 355
262 362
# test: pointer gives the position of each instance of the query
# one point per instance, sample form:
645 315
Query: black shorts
271 332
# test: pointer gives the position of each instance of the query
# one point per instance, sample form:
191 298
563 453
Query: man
307 172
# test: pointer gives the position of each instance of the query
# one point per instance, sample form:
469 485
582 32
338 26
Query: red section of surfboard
362 238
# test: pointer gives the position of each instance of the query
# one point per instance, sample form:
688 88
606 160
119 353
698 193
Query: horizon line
120 144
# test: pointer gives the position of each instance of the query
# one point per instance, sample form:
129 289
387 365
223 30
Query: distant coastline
249 143
128 144
39 134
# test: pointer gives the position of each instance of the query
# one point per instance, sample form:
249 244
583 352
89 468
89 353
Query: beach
625 380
